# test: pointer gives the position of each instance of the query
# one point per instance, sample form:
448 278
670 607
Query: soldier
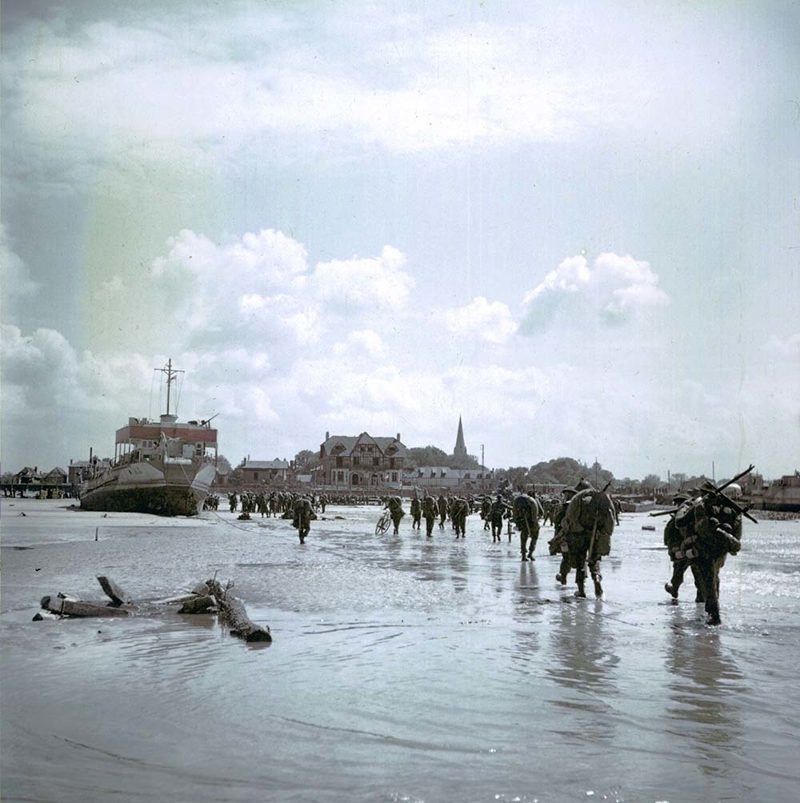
496 516
442 503
429 510
558 543
711 526
395 505
486 511
526 511
588 525
303 514
458 515
673 539
416 512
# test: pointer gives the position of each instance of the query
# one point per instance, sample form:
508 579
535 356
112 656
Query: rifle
710 488
717 490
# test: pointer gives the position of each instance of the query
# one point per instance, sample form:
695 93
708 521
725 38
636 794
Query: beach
402 668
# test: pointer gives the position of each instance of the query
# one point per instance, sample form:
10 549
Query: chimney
327 435
398 436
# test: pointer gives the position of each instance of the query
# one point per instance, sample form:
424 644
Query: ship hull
172 490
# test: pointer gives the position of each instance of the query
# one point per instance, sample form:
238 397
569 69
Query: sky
575 225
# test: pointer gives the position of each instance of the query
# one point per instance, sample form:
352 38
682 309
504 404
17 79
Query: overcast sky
576 225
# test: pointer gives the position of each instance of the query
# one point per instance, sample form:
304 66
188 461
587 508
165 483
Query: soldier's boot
580 579
561 579
671 590
598 589
712 611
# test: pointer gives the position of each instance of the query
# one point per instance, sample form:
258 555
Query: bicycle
384 522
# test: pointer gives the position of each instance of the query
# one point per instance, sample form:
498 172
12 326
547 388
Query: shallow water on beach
402 668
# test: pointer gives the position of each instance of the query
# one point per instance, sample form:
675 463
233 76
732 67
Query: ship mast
172 376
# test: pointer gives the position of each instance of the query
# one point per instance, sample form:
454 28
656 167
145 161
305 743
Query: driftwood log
113 591
64 606
233 612
208 597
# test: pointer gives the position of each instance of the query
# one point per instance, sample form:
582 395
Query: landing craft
164 467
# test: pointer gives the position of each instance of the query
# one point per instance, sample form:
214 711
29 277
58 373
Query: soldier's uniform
458 515
526 511
395 505
673 540
303 514
442 502
429 513
558 543
496 516
588 525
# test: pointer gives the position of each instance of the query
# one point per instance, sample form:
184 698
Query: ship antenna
172 376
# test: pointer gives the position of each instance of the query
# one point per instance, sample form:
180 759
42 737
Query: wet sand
403 668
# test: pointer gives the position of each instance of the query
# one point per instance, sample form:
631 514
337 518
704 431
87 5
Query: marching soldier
303 514
526 511
458 515
429 511
395 505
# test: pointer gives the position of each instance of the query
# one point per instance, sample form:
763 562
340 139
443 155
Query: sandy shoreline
401 668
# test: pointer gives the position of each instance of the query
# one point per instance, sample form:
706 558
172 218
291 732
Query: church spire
461 447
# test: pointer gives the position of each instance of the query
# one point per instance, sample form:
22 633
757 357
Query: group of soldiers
704 527
274 504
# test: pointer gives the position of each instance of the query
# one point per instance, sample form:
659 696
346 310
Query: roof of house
344 445
255 465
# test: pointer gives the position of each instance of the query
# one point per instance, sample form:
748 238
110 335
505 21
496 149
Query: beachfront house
56 476
260 472
361 461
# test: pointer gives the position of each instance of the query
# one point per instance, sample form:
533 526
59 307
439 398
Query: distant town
364 464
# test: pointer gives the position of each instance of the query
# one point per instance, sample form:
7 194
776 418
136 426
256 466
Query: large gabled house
361 461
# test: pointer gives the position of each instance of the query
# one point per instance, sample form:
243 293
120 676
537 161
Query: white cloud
363 343
615 289
110 95
787 348
490 321
15 280
375 284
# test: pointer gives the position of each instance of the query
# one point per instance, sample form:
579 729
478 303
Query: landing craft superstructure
164 467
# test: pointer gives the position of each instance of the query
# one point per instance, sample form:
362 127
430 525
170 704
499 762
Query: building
78 471
56 476
27 476
361 461
460 450
259 472
444 478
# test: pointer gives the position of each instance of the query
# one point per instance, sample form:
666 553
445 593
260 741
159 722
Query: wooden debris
206 597
199 604
233 612
113 591
79 608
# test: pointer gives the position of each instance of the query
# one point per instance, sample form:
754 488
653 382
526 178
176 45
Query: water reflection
704 682
584 670
459 566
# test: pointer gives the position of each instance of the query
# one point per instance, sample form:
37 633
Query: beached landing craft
164 467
